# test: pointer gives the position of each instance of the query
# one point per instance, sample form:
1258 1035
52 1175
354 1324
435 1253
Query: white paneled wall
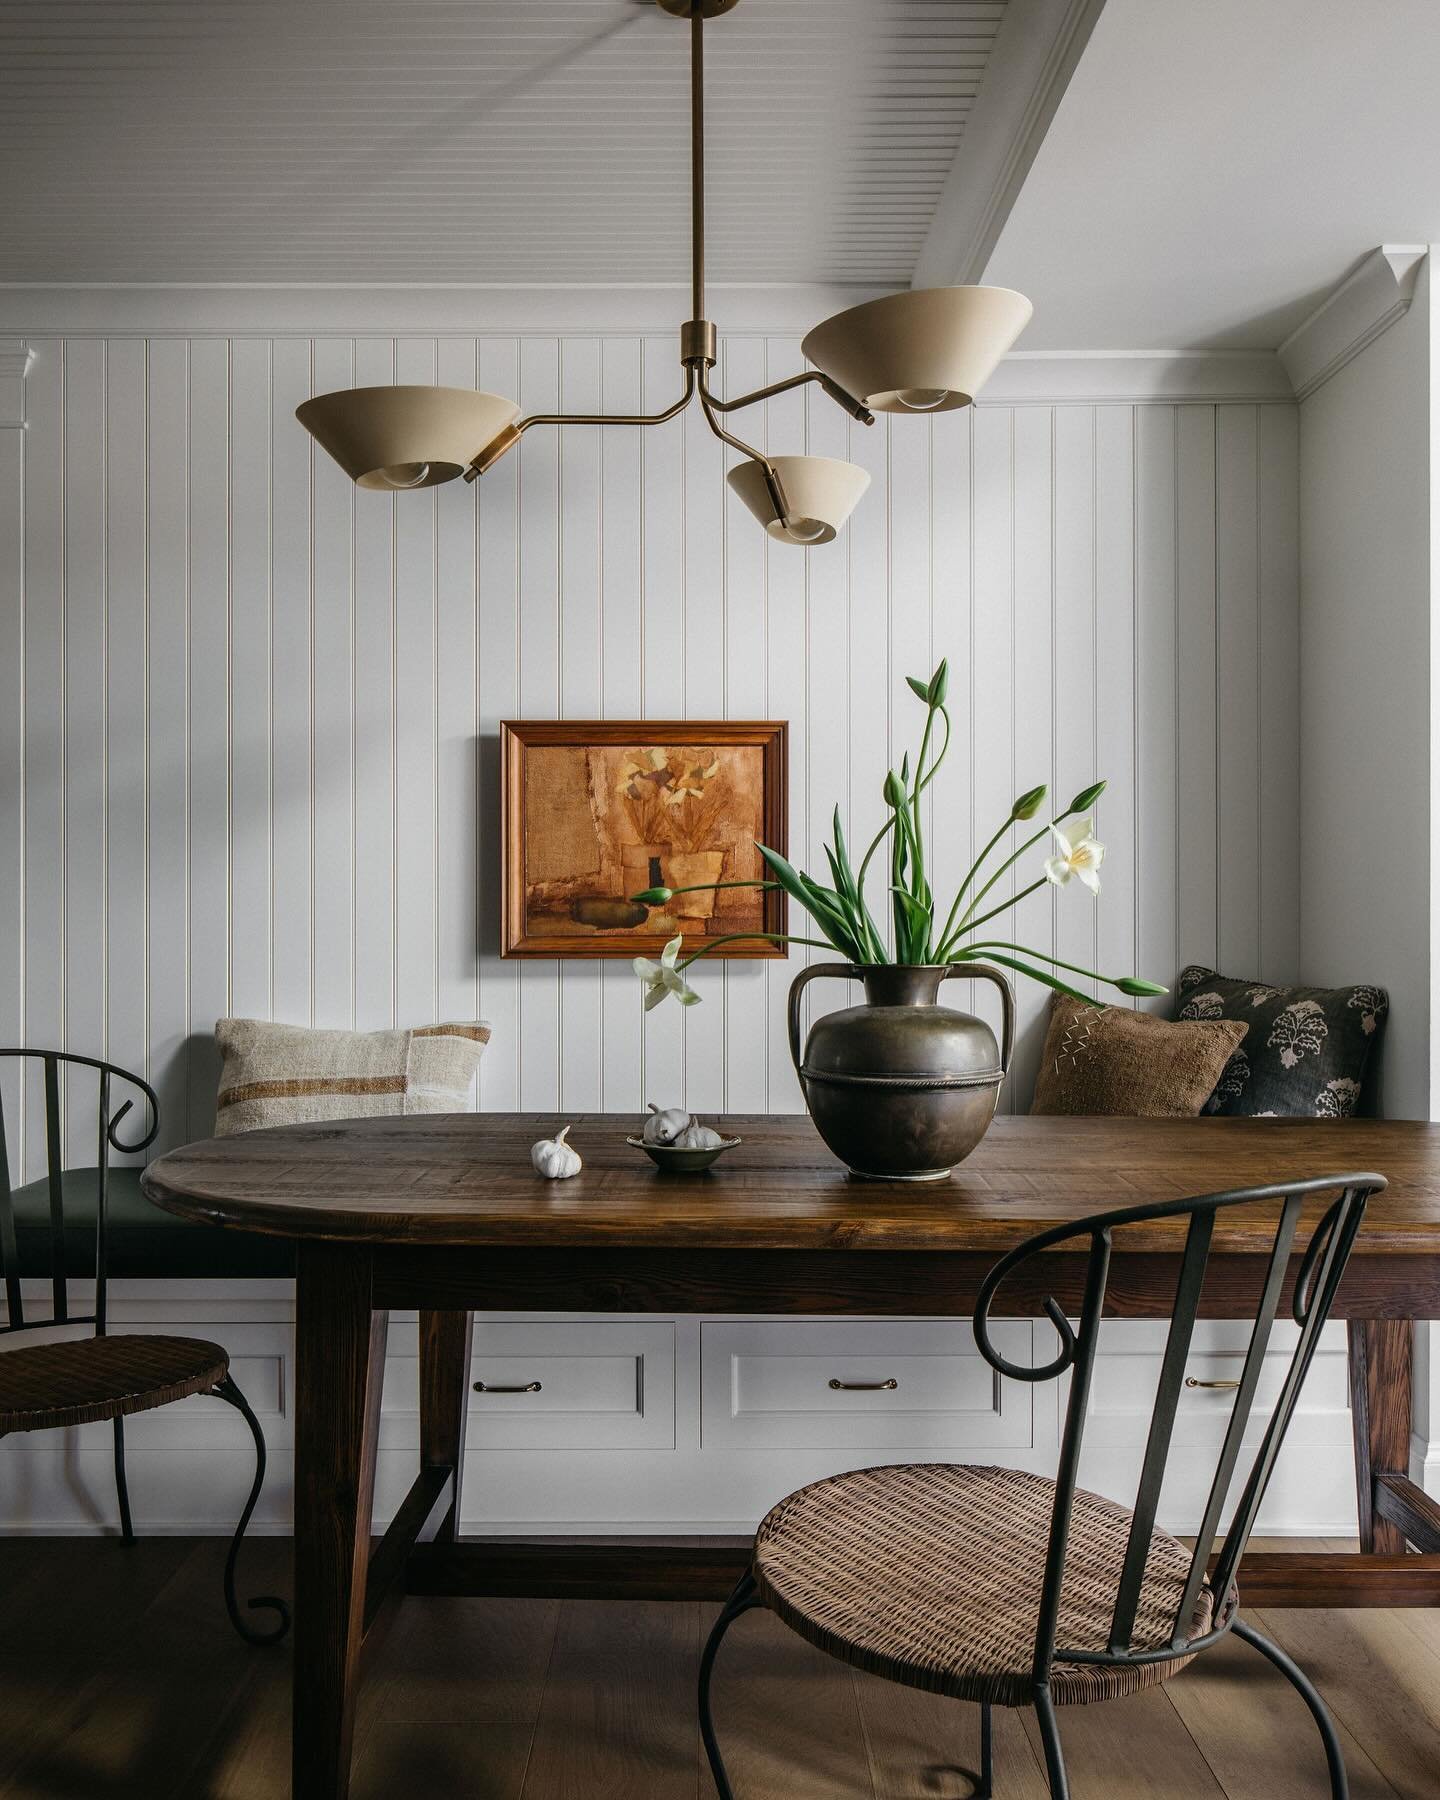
247 739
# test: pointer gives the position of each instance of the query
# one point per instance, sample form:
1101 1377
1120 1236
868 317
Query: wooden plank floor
120 1677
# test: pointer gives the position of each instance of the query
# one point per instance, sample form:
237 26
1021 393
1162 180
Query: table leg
1380 1352
445 1339
339 1369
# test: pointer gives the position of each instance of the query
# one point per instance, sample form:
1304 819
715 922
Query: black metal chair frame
108 1139
1316 1284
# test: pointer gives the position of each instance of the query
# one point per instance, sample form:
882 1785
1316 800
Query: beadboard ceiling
490 141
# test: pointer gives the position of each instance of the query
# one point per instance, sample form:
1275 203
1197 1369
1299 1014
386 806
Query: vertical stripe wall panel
249 721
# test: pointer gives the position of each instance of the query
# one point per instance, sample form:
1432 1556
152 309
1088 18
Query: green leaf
1086 798
1029 803
939 684
831 922
918 920
921 689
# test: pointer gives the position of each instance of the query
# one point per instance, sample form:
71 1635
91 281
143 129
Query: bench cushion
142 1240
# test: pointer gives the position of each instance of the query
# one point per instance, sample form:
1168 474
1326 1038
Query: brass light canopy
927 350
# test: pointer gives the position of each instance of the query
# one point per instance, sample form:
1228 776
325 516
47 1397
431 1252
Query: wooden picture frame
714 786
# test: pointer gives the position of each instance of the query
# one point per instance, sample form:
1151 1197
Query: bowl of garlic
676 1141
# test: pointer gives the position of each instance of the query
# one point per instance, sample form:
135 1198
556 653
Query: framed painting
595 810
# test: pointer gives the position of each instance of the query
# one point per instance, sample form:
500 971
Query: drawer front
1127 1376
858 1385
596 1386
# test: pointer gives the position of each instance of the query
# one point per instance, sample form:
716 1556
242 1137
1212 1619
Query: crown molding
1029 68
16 356
397 310
1367 302
1135 377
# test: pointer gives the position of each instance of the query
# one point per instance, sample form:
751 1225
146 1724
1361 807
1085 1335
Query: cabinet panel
594 1386
769 1384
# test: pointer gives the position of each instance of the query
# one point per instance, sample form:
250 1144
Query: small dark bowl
682 1162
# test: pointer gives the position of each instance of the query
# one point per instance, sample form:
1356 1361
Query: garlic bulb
696 1136
554 1159
664 1127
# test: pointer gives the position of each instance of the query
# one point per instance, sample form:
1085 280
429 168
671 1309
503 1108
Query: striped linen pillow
296 1075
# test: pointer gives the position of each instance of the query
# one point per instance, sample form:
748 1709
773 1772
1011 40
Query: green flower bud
939 684
656 896
1138 989
894 790
1028 804
1087 797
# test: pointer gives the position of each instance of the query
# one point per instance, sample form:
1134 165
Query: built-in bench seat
142 1240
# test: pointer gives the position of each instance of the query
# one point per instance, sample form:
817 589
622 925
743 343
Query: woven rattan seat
930 1574
75 1382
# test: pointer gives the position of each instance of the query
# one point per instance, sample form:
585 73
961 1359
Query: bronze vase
901 1088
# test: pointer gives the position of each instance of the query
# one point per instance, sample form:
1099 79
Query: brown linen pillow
1109 1060
296 1075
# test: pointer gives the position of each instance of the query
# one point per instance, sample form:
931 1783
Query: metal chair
76 1381
1006 1589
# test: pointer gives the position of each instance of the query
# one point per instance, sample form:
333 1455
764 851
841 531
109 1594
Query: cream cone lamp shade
928 350
405 437
821 490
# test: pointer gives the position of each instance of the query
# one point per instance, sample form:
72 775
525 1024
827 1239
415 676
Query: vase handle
1007 1003
798 986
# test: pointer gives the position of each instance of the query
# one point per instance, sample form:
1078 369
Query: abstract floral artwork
596 811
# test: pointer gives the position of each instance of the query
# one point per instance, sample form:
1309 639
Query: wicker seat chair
77 1381
1005 1589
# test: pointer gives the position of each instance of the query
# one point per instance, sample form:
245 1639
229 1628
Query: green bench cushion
142 1239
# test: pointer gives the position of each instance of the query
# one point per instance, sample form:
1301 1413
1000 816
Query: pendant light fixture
924 350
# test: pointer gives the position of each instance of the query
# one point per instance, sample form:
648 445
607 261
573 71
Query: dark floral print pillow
1307 1049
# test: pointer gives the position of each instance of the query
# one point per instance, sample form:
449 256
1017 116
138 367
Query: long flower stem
970 876
773 937
702 887
969 924
1039 956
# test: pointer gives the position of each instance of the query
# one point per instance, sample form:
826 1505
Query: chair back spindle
107 1141
1316 1284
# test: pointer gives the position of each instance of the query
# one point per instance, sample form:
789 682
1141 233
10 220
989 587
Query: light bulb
922 399
804 531
405 475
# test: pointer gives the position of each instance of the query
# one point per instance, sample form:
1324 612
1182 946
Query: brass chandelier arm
614 418
772 475
511 435
856 408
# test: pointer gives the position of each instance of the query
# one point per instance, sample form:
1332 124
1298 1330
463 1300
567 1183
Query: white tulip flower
664 978
1079 855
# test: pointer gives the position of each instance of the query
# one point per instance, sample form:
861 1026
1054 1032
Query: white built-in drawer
589 1386
1127 1376
766 1384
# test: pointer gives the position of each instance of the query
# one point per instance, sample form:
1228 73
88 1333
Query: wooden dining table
445 1214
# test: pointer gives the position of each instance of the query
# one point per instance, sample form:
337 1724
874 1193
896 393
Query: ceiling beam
1036 51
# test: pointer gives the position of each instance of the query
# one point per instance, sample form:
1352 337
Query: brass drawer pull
1194 1381
524 1387
864 1387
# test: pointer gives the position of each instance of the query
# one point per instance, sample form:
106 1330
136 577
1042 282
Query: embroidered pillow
295 1075
1110 1060
1307 1050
